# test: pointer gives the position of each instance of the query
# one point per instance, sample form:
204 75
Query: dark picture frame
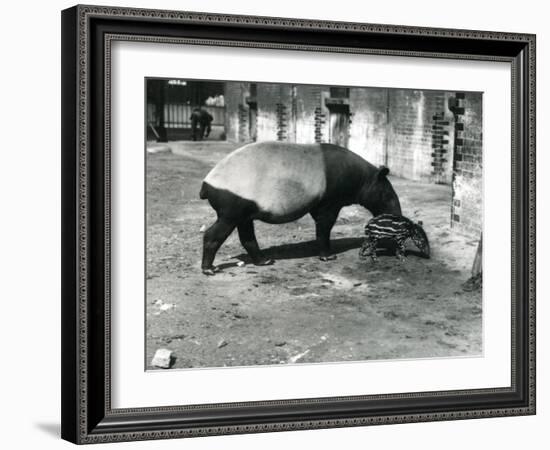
87 34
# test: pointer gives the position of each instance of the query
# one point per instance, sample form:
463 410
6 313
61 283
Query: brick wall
467 207
407 130
410 131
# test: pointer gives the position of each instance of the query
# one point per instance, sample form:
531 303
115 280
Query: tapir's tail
203 194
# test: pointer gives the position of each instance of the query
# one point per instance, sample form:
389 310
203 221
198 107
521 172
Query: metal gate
179 115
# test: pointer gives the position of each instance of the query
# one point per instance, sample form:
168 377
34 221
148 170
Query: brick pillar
281 112
243 114
162 135
320 119
466 208
456 105
440 141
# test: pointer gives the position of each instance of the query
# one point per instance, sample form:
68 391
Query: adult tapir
278 182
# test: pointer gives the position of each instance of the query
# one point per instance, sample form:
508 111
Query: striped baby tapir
395 228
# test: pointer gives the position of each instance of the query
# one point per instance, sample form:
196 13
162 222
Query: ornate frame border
79 418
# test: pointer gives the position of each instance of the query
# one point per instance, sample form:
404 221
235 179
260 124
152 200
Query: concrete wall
236 107
292 113
309 104
369 123
276 108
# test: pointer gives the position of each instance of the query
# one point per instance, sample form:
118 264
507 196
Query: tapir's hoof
210 271
327 258
264 262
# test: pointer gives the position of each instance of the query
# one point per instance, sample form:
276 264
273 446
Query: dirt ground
300 310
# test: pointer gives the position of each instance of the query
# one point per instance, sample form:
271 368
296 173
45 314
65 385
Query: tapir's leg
249 242
214 237
372 250
368 248
324 221
400 251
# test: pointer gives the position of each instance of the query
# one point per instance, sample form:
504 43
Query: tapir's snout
393 206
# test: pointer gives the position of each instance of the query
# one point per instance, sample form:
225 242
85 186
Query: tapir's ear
419 223
383 172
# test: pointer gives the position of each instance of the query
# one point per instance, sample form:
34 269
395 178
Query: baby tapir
394 228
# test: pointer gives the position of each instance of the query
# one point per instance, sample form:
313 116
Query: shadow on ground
307 249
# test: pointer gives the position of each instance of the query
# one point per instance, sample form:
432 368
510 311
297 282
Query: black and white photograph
297 224
275 225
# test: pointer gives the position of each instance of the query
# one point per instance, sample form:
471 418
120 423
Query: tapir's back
281 178
389 226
